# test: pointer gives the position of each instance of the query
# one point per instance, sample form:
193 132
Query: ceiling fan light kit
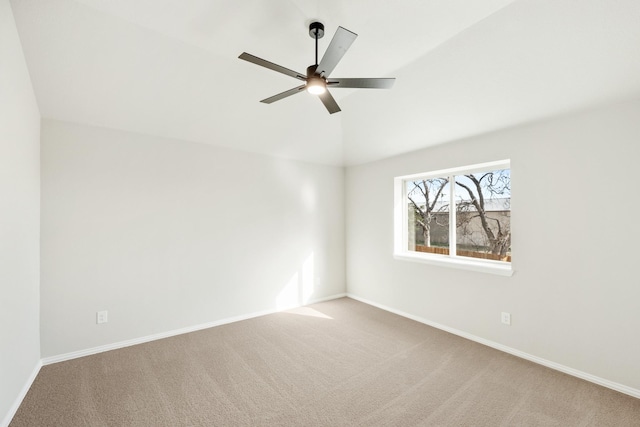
316 80
316 86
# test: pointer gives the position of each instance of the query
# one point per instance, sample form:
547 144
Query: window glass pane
483 215
428 215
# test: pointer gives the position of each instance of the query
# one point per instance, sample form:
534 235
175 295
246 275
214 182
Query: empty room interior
300 212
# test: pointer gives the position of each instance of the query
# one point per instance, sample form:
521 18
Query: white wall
19 219
168 234
575 294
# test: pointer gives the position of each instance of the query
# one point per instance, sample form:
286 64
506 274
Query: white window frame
401 220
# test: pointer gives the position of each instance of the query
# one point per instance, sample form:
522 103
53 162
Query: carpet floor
336 363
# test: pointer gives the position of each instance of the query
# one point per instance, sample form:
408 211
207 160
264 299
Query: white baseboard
107 347
25 389
544 362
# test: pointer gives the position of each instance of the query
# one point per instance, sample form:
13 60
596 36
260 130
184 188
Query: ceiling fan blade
329 102
383 83
270 65
284 94
341 41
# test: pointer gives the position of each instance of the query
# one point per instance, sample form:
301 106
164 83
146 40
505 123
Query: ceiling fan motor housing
316 84
311 71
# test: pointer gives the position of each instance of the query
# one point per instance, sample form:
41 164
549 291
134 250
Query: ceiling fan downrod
316 31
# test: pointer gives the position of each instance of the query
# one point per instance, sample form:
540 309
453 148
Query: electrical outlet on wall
506 318
102 317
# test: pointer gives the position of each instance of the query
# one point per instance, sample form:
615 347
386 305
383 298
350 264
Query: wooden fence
445 251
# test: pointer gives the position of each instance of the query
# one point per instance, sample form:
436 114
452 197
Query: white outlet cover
506 318
102 317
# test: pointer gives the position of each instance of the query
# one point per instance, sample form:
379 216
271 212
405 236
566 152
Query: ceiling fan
317 80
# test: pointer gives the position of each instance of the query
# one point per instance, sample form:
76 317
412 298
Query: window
456 217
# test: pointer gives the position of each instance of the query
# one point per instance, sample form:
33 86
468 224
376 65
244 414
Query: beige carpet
338 363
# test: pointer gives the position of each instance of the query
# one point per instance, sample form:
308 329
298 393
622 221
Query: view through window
470 206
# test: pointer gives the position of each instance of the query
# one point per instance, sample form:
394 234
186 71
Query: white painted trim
400 214
121 344
25 389
544 362
486 266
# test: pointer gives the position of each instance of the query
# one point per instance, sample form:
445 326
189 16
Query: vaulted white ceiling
169 68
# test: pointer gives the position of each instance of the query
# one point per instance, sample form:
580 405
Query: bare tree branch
443 183
415 205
